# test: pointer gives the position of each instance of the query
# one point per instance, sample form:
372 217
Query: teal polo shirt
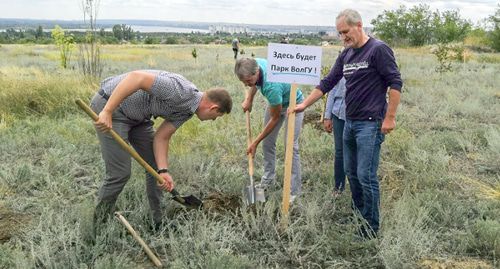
275 93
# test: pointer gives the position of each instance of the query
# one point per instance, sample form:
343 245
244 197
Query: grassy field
439 172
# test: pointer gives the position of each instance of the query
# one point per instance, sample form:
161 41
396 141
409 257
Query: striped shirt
335 103
171 97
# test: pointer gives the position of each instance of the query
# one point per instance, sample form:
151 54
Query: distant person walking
253 73
334 120
369 68
236 47
127 102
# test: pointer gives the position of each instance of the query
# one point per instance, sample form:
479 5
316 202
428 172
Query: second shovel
251 193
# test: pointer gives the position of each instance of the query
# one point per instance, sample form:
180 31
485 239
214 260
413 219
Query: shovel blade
190 201
248 195
253 194
259 194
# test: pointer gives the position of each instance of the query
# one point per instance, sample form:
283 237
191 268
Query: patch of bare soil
221 203
10 223
313 117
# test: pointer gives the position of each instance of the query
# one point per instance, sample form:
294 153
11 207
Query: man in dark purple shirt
370 70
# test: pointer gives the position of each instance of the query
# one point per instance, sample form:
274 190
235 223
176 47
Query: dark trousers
338 138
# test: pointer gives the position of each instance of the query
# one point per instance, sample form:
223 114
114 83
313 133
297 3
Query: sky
276 12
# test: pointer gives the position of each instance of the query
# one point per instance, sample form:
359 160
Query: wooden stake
288 157
141 242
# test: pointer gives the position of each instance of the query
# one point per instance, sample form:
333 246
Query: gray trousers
269 149
118 161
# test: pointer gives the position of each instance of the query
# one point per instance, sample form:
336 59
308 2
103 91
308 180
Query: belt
103 94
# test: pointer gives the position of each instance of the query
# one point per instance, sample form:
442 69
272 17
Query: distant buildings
231 29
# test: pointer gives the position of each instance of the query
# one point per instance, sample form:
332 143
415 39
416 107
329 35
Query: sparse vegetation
194 53
65 43
432 215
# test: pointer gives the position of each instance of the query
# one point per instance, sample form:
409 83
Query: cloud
295 12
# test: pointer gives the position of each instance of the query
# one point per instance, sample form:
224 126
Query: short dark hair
220 97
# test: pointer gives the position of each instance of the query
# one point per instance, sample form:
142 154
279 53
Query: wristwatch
163 170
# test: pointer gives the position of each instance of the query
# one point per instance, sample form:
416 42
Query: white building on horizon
228 29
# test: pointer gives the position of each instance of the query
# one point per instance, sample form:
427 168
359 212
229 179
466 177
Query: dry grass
438 169
454 264
481 189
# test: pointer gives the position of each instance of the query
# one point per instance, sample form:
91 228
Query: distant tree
90 56
123 32
149 40
65 44
39 32
419 26
117 32
102 32
11 33
449 27
391 26
171 40
495 33
128 33
419 23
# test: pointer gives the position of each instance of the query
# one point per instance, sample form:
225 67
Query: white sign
293 64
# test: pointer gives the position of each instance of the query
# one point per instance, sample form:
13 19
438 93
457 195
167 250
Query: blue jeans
338 172
362 140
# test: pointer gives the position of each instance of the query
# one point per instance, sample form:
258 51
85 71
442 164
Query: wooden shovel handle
129 149
249 142
139 240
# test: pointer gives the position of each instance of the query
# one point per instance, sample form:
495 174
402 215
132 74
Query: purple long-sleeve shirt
368 71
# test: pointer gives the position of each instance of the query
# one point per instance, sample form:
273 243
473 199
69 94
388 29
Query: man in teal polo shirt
253 73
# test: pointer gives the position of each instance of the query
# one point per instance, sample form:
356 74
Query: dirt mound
10 223
313 117
221 203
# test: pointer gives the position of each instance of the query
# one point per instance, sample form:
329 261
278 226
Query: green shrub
484 239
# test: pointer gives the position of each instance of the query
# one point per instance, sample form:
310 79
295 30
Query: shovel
251 192
188 201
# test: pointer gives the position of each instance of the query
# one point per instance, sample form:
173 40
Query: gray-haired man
253 73
370 70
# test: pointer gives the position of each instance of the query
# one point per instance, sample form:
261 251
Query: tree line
420 26
416 26
122 33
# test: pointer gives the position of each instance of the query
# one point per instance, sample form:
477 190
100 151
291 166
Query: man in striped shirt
127 103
